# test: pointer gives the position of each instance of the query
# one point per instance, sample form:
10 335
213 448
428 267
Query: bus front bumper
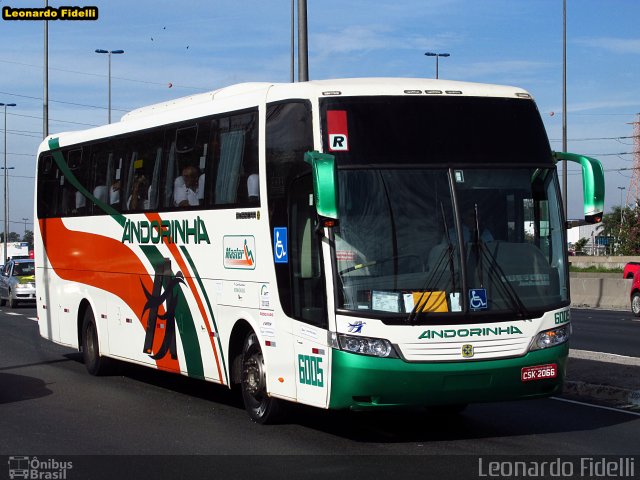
362 382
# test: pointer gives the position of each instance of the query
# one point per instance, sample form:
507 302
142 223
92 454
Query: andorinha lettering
471 332
50 13
174 231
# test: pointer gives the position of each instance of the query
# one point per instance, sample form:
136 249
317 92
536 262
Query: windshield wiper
447 255
495 271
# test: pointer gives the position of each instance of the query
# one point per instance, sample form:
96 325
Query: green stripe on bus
361 382
54 146
184 321
185 252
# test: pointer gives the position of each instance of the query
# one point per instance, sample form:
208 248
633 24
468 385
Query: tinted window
434 130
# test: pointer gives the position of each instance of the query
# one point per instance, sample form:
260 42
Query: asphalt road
49 405
608 331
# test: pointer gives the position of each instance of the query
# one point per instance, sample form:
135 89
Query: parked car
18 282
630 269
635 296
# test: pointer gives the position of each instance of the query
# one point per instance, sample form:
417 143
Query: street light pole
621 190
437 55
565 193
45 103
6 207
109 52
303 46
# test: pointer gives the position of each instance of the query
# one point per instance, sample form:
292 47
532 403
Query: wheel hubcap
253 376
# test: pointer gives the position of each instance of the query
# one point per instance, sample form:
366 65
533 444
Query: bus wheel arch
82 308
95 363
247 371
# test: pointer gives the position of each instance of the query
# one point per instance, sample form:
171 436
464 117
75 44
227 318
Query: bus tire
260 406
94 363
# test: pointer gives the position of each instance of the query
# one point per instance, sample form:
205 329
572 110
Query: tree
627 233
630 232
28 237
579 245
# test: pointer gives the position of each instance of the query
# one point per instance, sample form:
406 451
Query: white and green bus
347 244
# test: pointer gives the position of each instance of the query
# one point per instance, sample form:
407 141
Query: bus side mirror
592 184
325 183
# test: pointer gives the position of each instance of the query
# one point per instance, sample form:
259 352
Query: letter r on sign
338 142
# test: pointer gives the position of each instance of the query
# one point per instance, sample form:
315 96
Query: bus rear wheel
94 363
260 406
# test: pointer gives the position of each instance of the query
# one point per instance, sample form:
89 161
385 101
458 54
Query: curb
604 393
611 385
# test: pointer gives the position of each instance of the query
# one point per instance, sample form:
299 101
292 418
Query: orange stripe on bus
103 263
173 248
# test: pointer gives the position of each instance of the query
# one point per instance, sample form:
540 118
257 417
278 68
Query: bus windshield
432 226
401 241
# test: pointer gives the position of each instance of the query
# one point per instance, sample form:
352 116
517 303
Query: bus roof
246 95
345 86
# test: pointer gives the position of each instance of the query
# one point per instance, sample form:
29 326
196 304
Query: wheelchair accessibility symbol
478 299
280 251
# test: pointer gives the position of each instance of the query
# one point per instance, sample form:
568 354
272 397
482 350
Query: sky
174 49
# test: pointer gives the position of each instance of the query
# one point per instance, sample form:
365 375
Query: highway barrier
600 291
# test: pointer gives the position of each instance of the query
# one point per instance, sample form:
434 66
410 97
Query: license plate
539 372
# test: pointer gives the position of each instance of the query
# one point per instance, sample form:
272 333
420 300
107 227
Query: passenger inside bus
81 203
186 188
253 188
139 193
101 193
114 193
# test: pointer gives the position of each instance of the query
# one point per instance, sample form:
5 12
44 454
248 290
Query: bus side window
75 202
101 166
188 148
288 134
48 187
237 159
142 191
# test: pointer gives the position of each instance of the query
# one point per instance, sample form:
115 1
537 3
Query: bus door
308 297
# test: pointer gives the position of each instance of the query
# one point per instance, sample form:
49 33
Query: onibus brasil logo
33 467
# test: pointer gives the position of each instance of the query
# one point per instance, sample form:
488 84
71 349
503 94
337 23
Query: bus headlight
377 347
551 338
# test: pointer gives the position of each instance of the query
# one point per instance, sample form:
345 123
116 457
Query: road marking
13 313
637 414
35 319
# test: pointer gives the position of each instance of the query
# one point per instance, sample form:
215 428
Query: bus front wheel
259 405
95 364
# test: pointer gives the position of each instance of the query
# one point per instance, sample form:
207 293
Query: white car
17 282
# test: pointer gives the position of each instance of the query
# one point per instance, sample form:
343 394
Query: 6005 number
310 370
